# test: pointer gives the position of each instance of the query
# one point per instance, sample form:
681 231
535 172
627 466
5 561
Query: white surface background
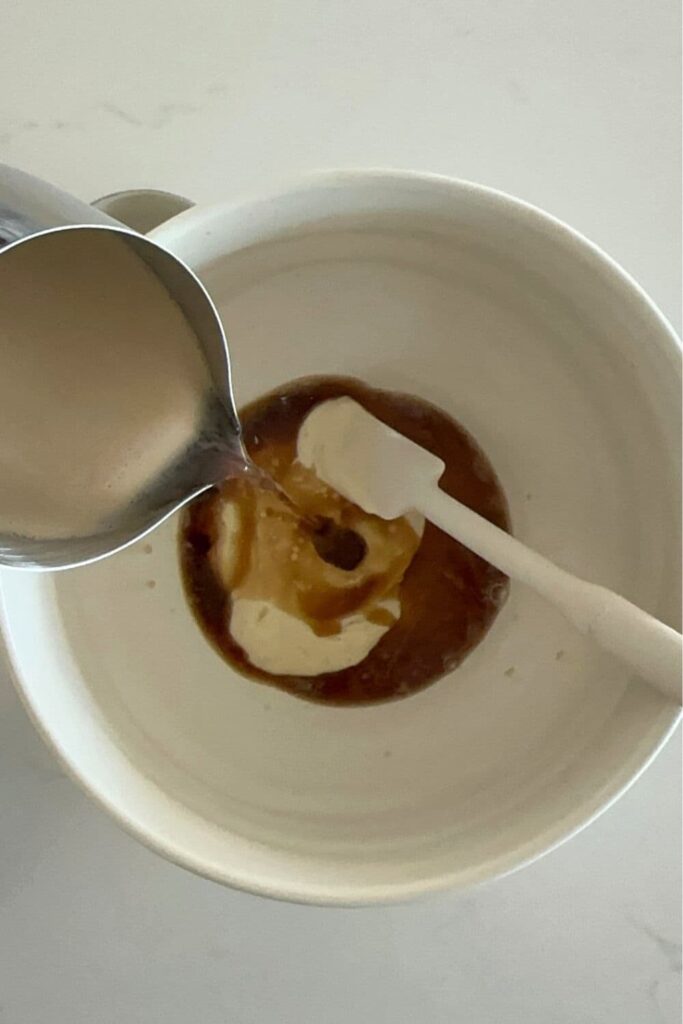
572 106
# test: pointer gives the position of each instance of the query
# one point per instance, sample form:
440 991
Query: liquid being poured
102 383
338 546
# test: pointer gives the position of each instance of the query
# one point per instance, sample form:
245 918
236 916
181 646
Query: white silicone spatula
388 475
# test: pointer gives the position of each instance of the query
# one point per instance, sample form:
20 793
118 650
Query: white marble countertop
569 105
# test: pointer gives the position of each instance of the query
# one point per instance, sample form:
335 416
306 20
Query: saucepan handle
142 209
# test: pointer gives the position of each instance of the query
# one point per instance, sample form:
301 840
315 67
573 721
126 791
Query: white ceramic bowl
570 379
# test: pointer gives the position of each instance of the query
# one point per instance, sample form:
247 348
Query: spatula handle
651 648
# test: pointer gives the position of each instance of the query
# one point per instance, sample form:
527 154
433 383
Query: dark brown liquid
449 597
338 546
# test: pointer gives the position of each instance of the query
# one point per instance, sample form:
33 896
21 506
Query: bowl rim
367 894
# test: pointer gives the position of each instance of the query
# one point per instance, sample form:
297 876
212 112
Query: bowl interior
568 379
